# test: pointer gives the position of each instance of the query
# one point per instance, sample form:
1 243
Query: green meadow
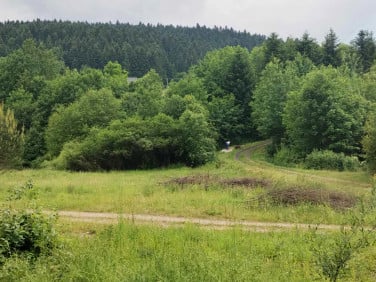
234 187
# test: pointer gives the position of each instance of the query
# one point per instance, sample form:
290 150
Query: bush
329 160
141 143
25 232
285 157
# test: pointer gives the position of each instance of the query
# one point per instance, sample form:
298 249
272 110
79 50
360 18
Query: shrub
329 160
285 156
25 232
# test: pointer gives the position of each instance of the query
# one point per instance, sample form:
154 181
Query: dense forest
138 48
315 101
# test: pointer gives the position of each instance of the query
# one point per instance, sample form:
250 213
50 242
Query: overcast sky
286 17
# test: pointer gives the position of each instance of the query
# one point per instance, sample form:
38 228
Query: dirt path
244 155
161 220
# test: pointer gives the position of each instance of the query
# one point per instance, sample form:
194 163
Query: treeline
138 48
316 102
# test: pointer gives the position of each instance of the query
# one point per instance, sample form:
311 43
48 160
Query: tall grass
127 252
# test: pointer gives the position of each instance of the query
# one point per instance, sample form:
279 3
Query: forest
138 48
314 101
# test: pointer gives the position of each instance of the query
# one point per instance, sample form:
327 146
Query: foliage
270 97
329 160
225 116
365 47
23 105
146 99
196 138
26 232
224 73
331 54
326 113
27 68
11 140
308 47
142 143
190 84
332 255
285 156
138 48
369 142
95 108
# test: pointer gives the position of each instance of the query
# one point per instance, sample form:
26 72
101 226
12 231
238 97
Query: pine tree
366 49
330 50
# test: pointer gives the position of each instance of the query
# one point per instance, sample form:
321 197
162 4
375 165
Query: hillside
167 49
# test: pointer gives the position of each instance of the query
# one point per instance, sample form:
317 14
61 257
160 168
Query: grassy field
235 189
127 252
212 191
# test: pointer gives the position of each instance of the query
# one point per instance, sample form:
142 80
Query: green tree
196 139
368 84
270 98
228 72
95 108
190 84
146 99
325 113
115 78
27 68
308 47
11 140
369 142
273 47
330 50
225 116
365 47
23 106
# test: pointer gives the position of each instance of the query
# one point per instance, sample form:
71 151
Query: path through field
162 220
244 155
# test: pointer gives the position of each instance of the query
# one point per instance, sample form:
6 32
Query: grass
249 189
128 252
151 191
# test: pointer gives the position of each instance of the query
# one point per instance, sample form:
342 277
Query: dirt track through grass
161 220
244 155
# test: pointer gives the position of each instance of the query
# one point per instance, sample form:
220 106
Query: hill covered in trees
138 48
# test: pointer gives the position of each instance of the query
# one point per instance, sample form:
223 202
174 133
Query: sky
288 18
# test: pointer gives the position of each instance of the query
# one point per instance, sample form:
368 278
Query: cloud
287 17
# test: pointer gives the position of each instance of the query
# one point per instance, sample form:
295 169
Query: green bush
141 143
25 232
330 160
285 156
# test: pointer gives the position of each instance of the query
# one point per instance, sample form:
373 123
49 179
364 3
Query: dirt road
161 220
244 155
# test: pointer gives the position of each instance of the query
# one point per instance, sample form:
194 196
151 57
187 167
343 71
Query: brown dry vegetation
291 195
299 195
207 180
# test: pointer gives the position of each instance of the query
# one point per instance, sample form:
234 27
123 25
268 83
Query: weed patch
207 180
246 182
303 195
